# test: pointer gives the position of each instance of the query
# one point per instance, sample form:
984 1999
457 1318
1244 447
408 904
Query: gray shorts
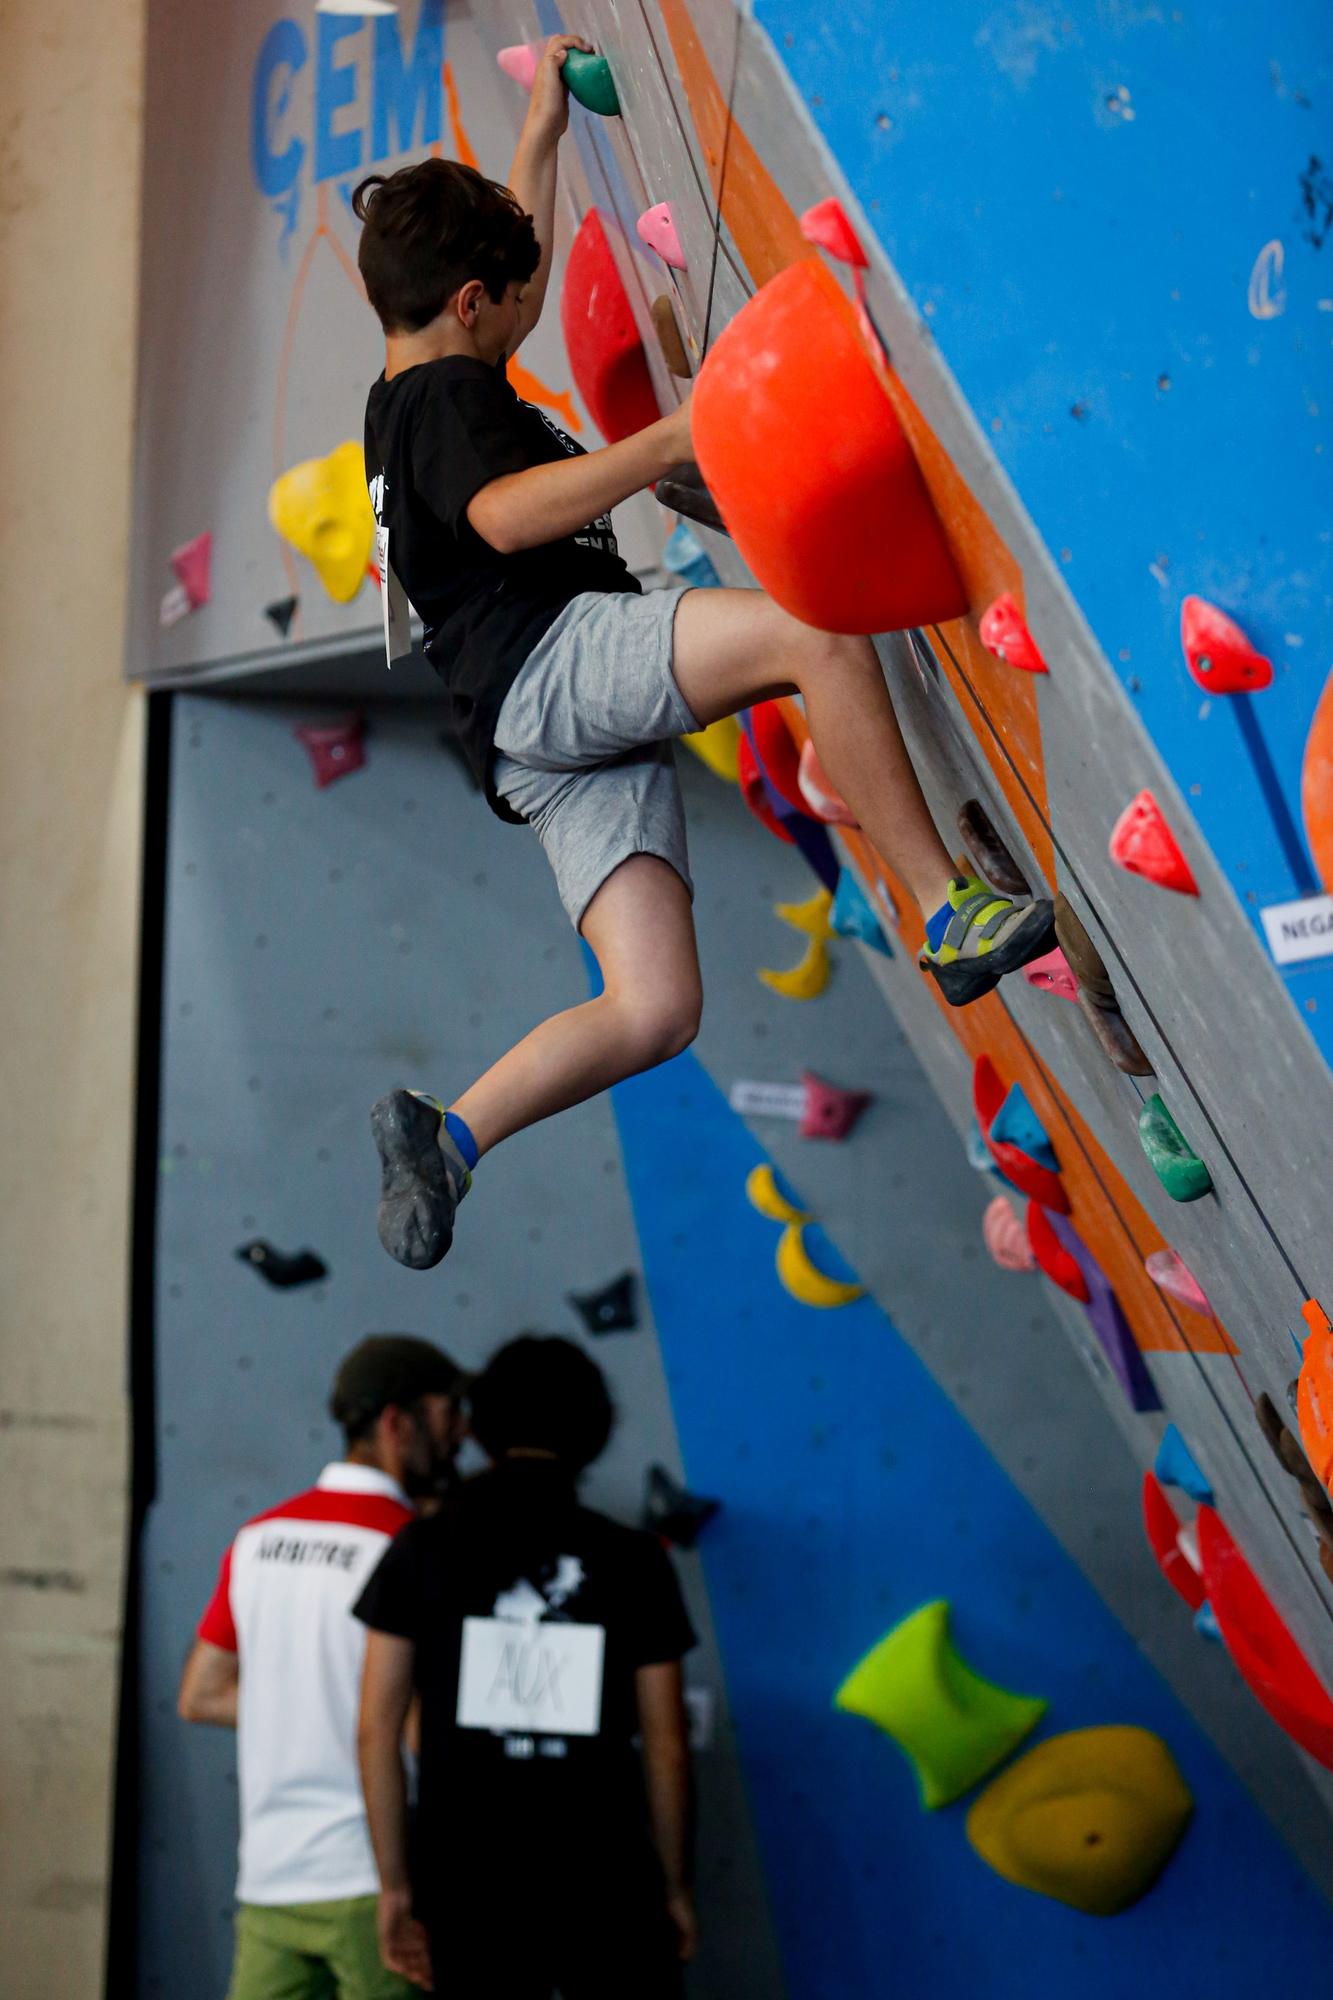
583 747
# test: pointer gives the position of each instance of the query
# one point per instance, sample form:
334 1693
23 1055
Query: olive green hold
1170 1155
590 80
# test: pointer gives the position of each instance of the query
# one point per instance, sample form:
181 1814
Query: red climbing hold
826 226
336 748
1143 843
1038 1183
1266 1656
1220 657
829 1113
751 781
1163 1530
818 794
1314 1392
193 565
1051 1256
602 340
1004 632
822 494
778 754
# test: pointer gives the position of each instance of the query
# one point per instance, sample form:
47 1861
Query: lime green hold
590 80
953 1727
1170 1155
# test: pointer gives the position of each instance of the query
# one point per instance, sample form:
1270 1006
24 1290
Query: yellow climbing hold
953 1727
813 917
1090 1818
803 1278
717 746
323 509
805 981
765 1192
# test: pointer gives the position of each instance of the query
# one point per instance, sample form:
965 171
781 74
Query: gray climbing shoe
986 937
423 1177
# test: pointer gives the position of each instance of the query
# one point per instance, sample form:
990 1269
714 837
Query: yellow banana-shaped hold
805 981
323 509
814 917
717 746
803 1280
762 1192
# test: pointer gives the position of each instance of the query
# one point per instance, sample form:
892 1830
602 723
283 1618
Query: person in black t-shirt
566 683
540 1638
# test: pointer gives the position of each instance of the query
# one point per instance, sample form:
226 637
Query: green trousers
312 1951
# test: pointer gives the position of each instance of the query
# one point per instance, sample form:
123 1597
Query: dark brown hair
428 229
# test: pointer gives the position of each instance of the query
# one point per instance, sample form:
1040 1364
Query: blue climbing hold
853 914
1175 1466
1017 1124
1206 1625
686 557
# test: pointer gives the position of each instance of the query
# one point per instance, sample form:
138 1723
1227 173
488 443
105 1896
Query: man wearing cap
278 1657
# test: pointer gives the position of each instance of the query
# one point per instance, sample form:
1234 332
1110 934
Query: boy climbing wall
566 682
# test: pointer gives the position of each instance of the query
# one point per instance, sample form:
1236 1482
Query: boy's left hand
548 106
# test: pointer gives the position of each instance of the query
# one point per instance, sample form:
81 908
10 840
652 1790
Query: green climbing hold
590 80
953 1727
1170 1155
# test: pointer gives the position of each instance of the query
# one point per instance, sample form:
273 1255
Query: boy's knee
663 1026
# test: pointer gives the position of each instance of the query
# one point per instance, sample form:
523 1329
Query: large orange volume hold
820 491
606 356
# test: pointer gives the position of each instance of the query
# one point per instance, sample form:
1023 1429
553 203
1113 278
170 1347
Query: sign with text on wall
1300 930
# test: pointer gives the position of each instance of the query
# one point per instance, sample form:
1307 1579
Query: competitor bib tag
532 1677
393 601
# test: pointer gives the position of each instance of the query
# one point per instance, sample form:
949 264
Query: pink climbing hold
1219 656
1004 632
1005 1237
818 793
657 228
1053 974
826 226
829 1113
192 564
336 748
1143 843
520 61
1172 1275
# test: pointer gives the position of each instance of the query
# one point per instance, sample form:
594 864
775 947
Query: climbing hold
669 337
805 980
775 747
1171 1157
1143 843
811 918
1017 1124
672 1512
1114 1334
336 748
614 1309
854 916
192 565
682 489
1172 1275
589 79
718 747
686 557
754 791
1266 1656
1051 1257
278 1269
1317 786
1219 656
1118 1042
606 356
520 61
766 1190
989 852
1004 632
1052 974
1314 1392
281 614
1206 1625
824 497
1175 1466
1089 1819
657 228
826 225
1005 1236
1162 1527
1315 1500
323 509
817 794
1084 958
801 1276
829 1113
953 1726
1032 1177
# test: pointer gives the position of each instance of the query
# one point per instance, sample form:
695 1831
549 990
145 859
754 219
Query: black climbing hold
303 1267
1082 954
672 1512
281 613
682 489
612 1310
989 852
1118 1041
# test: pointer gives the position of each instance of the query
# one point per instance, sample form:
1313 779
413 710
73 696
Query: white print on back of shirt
599 534
523 1671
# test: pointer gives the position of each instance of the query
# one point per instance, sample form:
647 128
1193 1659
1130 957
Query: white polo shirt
284 1603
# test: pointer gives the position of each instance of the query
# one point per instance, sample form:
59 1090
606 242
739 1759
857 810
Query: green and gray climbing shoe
985 937
423 1177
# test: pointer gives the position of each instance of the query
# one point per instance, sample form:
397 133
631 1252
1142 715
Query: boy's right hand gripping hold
423 1177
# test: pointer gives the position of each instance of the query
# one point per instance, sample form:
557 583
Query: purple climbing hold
1108 1322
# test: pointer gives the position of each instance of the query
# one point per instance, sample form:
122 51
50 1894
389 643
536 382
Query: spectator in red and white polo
278 1657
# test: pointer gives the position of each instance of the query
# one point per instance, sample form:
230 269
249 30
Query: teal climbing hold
1206 1625
590 80
1017 1124
853 914
1170 1155
1175 1465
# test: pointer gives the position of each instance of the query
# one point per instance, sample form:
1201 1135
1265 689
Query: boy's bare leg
641 931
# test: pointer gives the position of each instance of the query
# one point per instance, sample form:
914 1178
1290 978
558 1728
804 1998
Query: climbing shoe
423 1177
979 937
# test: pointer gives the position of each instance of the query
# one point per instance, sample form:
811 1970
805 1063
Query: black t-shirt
435 436
488 1590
